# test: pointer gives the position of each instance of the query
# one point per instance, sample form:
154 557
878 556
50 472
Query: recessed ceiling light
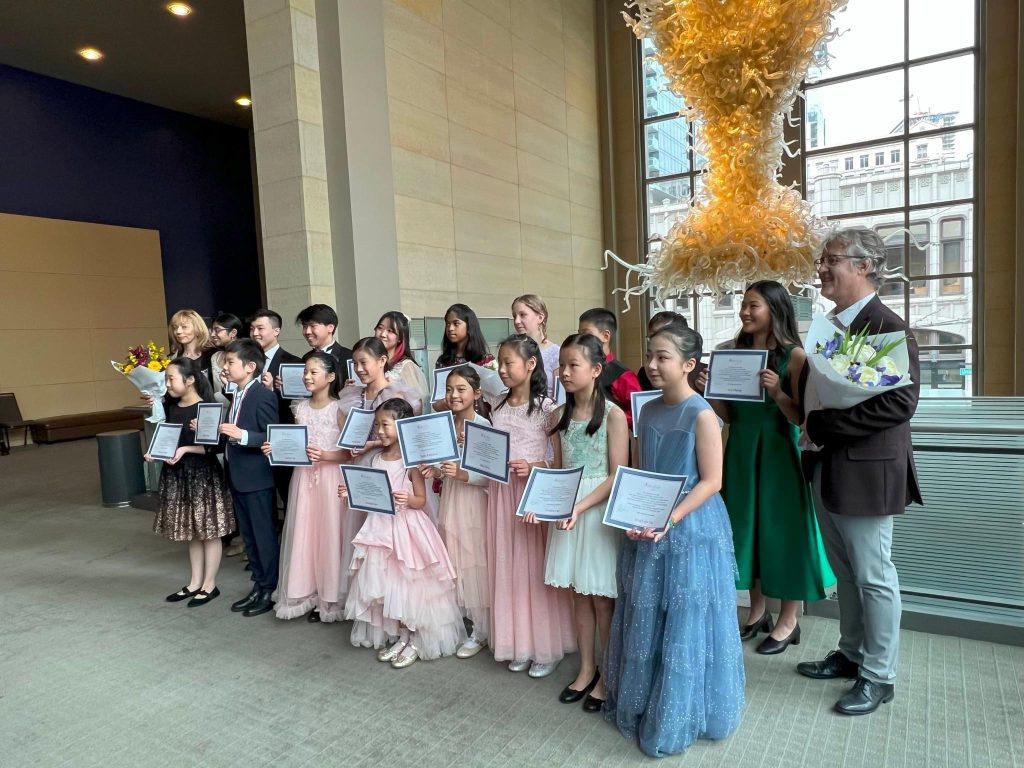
90 54
243 101
179 9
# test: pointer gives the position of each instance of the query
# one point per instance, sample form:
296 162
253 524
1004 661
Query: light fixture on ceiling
179 9
243 101
90 54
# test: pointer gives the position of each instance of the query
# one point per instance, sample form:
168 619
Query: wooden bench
78 425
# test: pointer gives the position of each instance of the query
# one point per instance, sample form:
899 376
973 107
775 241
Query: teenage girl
530 316
393 330
463 343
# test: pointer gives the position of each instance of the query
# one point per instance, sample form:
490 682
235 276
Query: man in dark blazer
862 474
319 322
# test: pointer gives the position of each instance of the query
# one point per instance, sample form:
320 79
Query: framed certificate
485 450
558 394
428 439
733 375
208 422
292 387
637 401
357 429
288 445
369 489
164 444
550 493
440 379
640 499
352 373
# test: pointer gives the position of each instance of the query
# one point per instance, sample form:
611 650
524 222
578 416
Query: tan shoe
405 658
470 648
234 549
390 654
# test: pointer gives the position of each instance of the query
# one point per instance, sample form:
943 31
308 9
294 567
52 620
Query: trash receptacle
121 475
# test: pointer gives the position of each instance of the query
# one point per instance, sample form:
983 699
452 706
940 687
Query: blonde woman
188 334
530 316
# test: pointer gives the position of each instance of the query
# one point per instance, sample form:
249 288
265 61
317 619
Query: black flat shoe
182 594
240 605
865 697
571 695
832 666
313 617
203 597
764 624
770 646
590 704
260 606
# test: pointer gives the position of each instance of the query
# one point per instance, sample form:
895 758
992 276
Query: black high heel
764 624
770 646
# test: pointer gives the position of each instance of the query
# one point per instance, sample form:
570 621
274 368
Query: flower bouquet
847 369
144 367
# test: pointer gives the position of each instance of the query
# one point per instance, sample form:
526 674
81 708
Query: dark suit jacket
341 356
284 411
867 460
248 469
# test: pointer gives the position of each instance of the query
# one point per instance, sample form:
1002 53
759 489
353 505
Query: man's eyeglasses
831 259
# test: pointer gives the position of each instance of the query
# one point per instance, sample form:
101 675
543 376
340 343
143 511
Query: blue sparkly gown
674 664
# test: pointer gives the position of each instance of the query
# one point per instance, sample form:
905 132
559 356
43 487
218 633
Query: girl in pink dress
530 621
403 584
311 541
463 513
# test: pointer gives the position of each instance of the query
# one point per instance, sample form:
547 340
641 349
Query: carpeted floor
97 670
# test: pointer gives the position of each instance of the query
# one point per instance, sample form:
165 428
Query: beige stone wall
494 129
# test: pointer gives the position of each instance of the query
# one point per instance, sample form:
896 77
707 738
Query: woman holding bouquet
779 551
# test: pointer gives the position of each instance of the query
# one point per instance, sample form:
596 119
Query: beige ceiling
197 64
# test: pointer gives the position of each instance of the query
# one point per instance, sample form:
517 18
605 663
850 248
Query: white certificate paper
641 499
292 387
559 392
732 375
288 445
440 379
208 422
357 429
551 493
486 451
637 402
352 373
490 381
428 439
369 489
164 444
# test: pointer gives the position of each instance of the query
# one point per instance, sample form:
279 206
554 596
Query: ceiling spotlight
243 101
90 54
179 9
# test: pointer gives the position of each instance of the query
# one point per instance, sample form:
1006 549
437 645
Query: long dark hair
783 329
472 378
526 348
399 324
329 365
190 368
476 345
592 350
375 347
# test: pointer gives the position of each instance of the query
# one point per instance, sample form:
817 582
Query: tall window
907 88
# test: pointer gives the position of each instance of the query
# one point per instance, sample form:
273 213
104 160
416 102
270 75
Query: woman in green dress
779 552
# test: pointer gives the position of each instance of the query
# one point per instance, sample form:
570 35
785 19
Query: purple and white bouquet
849 368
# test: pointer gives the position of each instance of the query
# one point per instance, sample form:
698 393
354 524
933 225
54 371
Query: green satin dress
775 532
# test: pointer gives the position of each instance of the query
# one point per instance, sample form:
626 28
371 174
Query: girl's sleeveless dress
402 577
530 621
311 541
584 558
462 522
674 665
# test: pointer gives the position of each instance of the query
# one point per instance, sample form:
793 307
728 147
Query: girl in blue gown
674 666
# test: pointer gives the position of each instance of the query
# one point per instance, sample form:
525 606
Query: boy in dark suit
249 474
319 322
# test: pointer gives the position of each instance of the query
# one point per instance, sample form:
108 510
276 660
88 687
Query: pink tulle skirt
463 524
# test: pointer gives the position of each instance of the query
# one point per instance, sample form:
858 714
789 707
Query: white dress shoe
390 654
518 666
470 648
542 670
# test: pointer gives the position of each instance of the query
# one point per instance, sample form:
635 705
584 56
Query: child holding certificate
402 589
531 623
194 504
461 517
463 342
582 550
311 540
674 665
779 551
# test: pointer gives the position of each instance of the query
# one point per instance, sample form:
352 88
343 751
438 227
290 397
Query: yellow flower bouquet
144 367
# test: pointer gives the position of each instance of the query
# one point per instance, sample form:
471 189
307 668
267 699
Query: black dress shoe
202 597
832 666
764 624
770 646
313 617
182 594
260 606
240 605
571 695
591 704
865 697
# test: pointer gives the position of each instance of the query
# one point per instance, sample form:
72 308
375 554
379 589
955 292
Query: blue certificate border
453 456
287 428
709 395
164 425
285 395
208 406
434 394
352 374
469 427
366 507
646 396
534 472
349 447
622 472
